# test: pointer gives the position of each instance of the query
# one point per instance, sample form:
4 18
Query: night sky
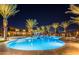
44 14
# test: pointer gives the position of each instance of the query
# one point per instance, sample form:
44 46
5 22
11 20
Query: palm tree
65 24
75 20
30 23
55 26
48 28
42 29
7 10
73 9
38 30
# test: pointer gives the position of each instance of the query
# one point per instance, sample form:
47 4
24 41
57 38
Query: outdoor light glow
39 27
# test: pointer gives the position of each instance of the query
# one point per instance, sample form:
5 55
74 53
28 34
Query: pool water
36 43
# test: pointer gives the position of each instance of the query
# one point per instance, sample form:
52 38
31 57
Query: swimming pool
41 42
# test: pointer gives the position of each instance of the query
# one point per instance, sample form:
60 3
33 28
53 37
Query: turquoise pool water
36 43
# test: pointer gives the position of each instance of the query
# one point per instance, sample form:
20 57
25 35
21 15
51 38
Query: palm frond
55 25
75 20
7 10
30 23
65 24
73 9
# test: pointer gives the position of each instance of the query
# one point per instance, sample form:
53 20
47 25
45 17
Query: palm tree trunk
30 31
5 28
65 31
55 31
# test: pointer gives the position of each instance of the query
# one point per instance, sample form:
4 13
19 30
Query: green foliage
75 20
48 28
65 24
55 25
30 23
73 9
2 40
7 10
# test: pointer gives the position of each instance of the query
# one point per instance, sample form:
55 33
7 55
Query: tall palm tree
55 26
65 24
76 20
73 9
30 24
7 10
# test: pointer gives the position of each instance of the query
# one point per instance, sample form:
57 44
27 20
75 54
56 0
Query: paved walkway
71 48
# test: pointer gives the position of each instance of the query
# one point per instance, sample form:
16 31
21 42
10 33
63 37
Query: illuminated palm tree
38 30
55 26
65 24
73 9
75 20
42 29
7 10
30 23
48 29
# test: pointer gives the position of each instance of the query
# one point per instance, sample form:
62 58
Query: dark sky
44 14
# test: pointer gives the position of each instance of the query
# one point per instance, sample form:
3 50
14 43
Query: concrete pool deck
70 48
